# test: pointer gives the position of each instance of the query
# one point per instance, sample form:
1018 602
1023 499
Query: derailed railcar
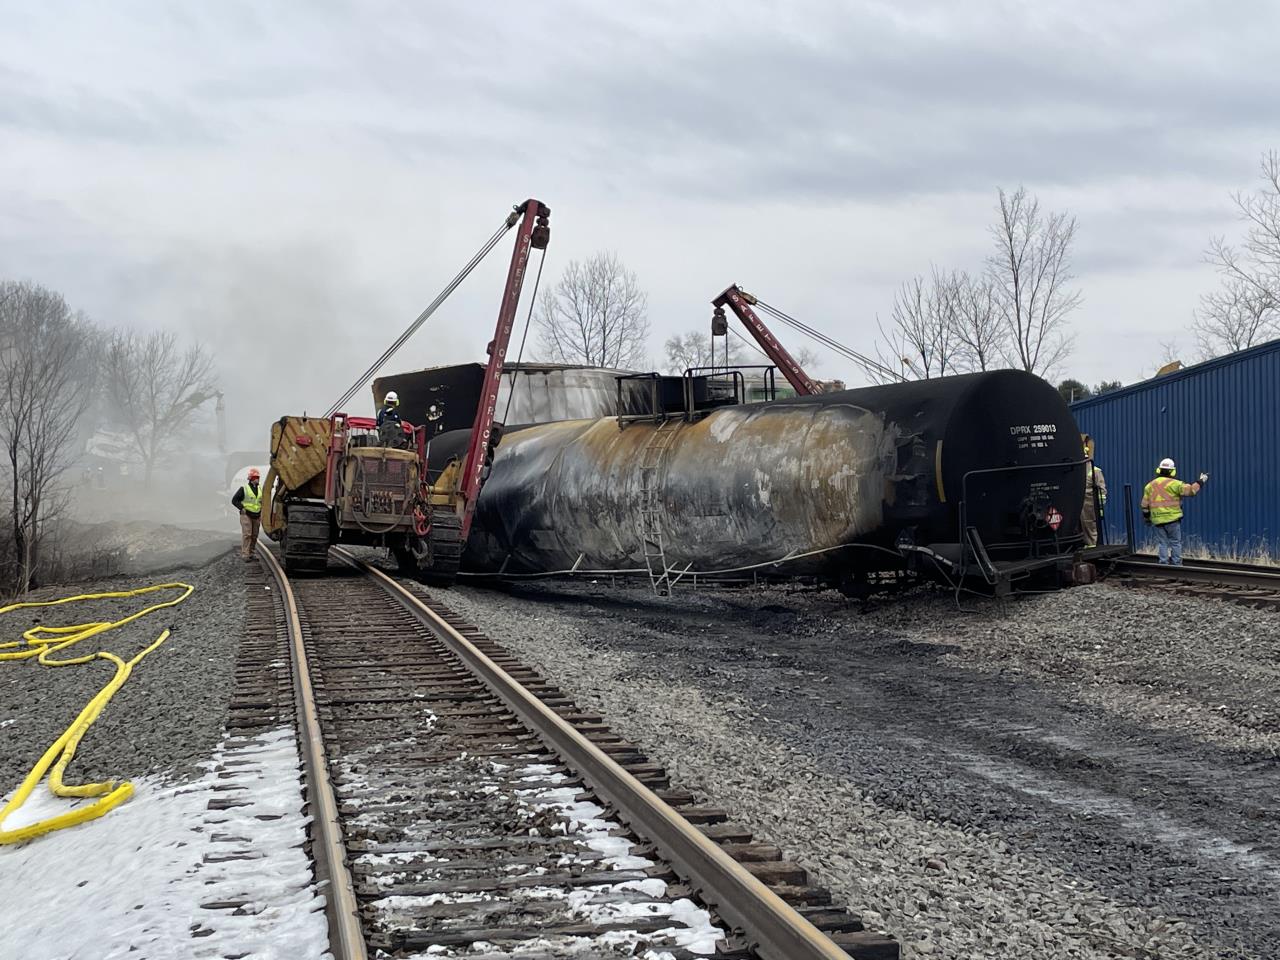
977 475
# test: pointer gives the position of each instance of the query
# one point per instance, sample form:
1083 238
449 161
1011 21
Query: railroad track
461 804
1241 583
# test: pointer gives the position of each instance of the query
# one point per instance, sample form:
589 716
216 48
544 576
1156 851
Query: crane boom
534 233
741 302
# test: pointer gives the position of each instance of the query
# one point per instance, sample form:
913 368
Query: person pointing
1162 509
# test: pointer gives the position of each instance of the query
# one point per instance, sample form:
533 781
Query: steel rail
1225 573
346 936
774 929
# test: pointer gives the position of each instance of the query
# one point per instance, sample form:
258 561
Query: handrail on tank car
735 377
688 401
984 564
735 373
738 384
654 413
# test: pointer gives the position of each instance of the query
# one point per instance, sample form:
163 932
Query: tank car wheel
855 586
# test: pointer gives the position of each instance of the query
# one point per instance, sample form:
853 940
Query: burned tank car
862 479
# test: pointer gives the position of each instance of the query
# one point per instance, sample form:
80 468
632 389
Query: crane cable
527 320
42 642
510 221
875 368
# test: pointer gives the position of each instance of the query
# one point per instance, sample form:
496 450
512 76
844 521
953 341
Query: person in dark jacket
390 433
248 500
390 409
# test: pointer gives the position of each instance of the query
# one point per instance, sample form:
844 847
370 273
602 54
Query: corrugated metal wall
1222 417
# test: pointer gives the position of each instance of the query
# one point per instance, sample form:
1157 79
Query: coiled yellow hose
42 642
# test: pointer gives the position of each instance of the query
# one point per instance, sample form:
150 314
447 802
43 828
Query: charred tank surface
983 467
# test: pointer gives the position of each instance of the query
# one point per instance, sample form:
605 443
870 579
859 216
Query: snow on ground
163 876
546 805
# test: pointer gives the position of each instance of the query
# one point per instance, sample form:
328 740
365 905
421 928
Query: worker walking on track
1162 509
248 500
1092 511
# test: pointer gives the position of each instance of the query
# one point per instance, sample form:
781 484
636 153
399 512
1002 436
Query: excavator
337 479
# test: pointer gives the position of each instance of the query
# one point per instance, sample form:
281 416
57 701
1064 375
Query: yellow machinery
343 479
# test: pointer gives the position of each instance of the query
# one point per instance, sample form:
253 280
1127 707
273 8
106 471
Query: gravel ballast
1089 773
167 716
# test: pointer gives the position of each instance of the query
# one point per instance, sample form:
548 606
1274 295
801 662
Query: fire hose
41 643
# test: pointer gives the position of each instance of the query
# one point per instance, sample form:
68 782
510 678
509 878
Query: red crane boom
533 233
741 302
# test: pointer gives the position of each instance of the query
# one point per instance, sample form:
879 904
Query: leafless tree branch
694 349
1246 311
155 388
595 315
1031 274
46 381
924 337
979 325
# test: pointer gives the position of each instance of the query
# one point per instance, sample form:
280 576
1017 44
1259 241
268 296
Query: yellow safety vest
1163 497
252 499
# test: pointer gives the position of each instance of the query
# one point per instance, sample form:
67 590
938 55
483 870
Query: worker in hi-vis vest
1162 509
1095 486
248 500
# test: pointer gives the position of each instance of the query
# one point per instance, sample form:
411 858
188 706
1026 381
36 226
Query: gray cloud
79 114
298 162
874 109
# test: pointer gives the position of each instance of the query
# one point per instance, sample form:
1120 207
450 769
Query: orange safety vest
1163 497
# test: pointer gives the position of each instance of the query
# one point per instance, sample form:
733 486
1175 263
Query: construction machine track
444 544
306 538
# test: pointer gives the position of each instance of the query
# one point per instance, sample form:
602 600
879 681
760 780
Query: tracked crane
339 479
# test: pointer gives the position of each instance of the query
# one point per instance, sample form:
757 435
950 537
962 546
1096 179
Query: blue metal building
1222 417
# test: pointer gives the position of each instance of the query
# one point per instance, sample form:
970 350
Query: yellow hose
42 642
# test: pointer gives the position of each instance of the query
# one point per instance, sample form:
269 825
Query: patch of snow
429 900
132 884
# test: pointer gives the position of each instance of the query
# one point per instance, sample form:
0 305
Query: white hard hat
392 397
1167 464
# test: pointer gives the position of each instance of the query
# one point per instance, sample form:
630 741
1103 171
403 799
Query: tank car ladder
655 554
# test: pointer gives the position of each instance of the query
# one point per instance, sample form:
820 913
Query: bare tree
922 334
1031 274
693 349
595 315
46 382
1238 316
979 325
156 387
1247 309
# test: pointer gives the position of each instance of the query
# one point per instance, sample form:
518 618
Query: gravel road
170 711
1090 773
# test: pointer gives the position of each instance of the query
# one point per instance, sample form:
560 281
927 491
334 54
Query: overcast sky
293 182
